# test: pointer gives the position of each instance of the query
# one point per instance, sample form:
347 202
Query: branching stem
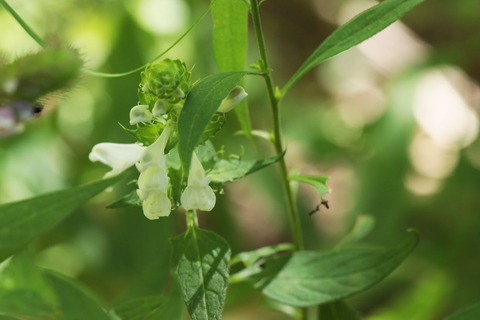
274 102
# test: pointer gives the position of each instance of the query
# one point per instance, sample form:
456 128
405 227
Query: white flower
233 99
153 180
150 161
116 155
198 194
140 113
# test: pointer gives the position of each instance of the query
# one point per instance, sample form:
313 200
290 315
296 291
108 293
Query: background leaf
202 102
151 308
201 263
469 313
230 39
75 302
357 30
22 221
318 182
310 278
234 169
337 310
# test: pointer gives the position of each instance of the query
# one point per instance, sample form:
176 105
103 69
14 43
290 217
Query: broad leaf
151 308
201 263
318 182
75 302
363 225
337 310
230 38
22 221
234 169
309 278
360 28
201 104
469 313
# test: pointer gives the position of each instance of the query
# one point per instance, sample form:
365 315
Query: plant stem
192 220
277 133
22 23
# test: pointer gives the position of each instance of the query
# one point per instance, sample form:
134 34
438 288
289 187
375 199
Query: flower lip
116 155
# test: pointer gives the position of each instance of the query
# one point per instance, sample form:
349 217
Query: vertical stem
192 220
274 102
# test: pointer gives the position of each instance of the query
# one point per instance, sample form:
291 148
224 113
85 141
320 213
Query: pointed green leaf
22 221
337 310
230 39
468 313
318 182
200 261
234 169
360 28
75 302
309 278
201 104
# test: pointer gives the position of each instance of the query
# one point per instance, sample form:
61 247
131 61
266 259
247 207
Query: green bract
168 80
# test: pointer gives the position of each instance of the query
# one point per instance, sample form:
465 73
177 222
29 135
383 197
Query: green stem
22 23
192 220
277 133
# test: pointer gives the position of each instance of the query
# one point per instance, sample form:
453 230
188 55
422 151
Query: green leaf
151 308
24 291
254 260
230 39
23 221
75 302
318 182
363 225
468 313
337 310
145 134
201 104
309 278
360 28
248 258
234 169
200 261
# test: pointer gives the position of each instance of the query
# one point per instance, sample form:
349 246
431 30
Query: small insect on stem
317 208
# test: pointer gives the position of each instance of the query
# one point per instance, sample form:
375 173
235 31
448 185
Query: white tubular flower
153 180
140 113
233 99
198 194
117 156
154 155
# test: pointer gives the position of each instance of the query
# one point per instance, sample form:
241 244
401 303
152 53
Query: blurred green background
393 122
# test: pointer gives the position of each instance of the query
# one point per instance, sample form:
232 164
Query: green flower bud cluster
163 84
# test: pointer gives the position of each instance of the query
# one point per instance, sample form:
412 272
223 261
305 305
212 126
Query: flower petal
117 156
198 197
156 205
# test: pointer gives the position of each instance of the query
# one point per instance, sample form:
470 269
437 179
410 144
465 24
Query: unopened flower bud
161 107
233 99
140 113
